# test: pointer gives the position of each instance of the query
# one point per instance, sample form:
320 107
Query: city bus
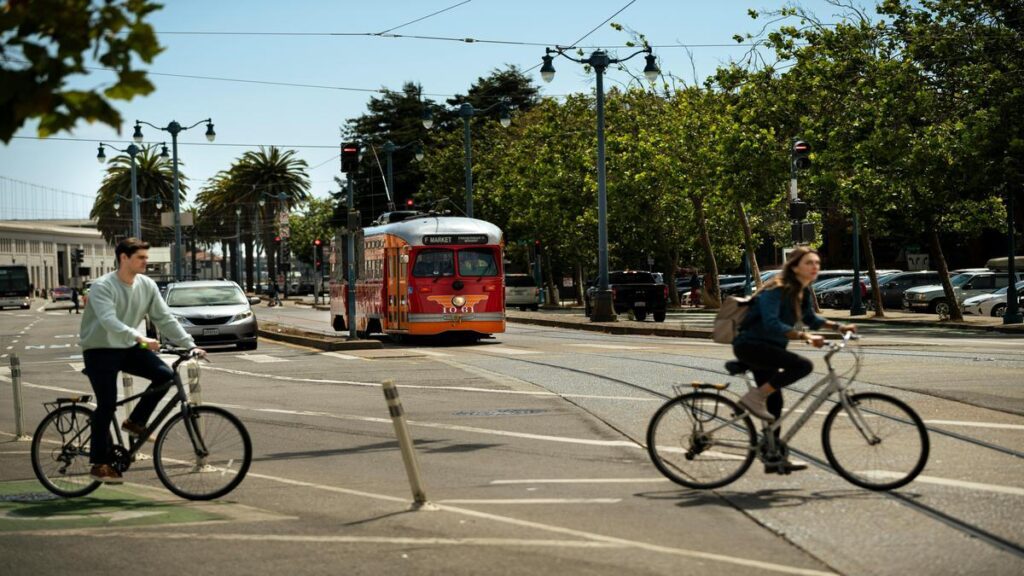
424 275
15 288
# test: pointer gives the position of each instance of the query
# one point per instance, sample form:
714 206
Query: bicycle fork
852 410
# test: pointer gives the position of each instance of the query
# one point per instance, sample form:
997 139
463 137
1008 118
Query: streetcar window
477 262
434 263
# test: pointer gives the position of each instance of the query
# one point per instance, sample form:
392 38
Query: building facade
46 247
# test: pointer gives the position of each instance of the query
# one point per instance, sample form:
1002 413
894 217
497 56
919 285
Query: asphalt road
531 448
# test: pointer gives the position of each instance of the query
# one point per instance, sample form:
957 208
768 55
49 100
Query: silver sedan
214 312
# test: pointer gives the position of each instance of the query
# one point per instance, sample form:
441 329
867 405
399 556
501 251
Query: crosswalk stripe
260 358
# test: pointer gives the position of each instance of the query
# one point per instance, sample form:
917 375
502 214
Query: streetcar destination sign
434 239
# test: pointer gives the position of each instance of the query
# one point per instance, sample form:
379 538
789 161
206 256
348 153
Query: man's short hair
129 246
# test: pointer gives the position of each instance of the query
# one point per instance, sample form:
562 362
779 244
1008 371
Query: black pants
102 366
773 365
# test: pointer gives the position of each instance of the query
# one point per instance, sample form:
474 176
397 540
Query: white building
45 246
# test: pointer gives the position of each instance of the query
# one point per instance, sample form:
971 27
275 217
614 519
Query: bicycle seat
735 367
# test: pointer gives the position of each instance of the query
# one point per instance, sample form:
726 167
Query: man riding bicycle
111 343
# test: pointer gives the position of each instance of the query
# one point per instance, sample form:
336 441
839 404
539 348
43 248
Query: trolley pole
350 254
412 468
19 411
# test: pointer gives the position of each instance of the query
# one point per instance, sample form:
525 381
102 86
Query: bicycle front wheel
205 456
875 441
697 440
60 452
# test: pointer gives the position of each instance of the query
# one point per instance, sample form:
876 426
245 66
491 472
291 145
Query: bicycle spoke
207 465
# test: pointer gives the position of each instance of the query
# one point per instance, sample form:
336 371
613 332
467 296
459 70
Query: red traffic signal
277 239
801 155
538 246
316 242
349 157
410 203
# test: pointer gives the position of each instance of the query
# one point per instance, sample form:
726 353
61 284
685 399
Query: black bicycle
201 453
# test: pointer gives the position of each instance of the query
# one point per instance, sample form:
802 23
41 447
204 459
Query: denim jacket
771 316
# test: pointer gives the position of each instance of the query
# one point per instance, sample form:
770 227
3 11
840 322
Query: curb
614 328
293 335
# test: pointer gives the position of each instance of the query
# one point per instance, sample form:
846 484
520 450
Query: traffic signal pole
350 256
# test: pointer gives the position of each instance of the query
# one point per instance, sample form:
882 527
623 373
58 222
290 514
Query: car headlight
182 320
242 316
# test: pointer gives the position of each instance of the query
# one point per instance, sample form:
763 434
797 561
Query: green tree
154 179
44 44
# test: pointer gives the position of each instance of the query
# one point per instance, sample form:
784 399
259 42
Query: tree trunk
940 265
748 236
711 296
195 275
579 283
224 259
553 298
671 280
249 261
869 253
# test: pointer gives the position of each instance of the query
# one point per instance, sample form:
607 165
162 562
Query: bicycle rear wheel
60 452
879 443
185 470
697 440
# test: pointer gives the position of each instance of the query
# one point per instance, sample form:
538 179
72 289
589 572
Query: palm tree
263 174
155 179
216 220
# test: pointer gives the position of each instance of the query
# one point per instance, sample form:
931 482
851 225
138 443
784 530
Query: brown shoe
105 473
133 428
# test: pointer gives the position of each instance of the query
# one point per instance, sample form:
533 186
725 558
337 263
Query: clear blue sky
308 118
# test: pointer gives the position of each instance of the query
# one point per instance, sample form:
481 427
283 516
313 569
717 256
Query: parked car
822 290
61 293
841 296
933 298
734 287
633 290
993 304
893 287
521 290
214 312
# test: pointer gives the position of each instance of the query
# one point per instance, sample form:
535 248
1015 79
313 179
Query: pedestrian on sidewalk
74 300
274 298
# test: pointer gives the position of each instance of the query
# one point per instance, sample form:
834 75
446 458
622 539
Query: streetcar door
396 290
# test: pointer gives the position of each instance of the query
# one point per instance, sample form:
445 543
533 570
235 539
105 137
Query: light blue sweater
116 308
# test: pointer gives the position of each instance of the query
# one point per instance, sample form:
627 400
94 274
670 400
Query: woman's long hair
786 280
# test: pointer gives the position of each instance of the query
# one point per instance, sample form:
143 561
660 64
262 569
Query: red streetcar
425 275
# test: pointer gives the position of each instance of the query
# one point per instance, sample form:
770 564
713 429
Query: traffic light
801 155
797 210
318 265
349 157
77 256
410 203
277 240
538 246
316 242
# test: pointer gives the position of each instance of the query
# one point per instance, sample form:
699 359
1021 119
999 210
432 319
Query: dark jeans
102 366
773 365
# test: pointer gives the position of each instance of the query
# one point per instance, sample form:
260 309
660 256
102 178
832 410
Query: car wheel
659 316
338 324
999 310
940 307
586 309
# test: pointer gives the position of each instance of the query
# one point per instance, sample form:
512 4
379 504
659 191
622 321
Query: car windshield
477 262
205 296
961 279
434 263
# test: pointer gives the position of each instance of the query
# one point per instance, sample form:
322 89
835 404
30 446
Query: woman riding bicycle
769 326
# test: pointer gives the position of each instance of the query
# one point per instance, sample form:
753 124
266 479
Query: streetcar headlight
458 301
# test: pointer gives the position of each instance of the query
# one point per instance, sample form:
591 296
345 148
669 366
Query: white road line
41 308
261 358
532 501
680 552
14 452
582 481
976 424
341 356
432 353
332 539
1012 490
77 366
614 346
504 350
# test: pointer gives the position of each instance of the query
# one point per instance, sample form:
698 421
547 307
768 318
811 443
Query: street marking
332 539
976 424
341 356
41 308
614 346
260 358
592 536
432 353
66 336
434 388
77 366
1014 491
534 501
583 481
17 452
504 350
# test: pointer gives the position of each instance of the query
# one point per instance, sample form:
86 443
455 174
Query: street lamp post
389 150
466 112
856 304
1012 314
132 151
603 309
174 129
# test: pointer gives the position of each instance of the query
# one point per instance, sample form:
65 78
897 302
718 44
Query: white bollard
412 468
195 389
128 389
19 411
